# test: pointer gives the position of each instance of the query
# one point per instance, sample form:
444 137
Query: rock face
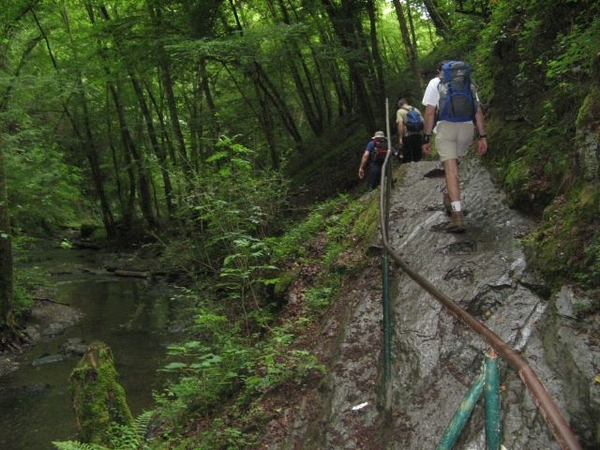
436 357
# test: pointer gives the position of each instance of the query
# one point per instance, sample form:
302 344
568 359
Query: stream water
35 401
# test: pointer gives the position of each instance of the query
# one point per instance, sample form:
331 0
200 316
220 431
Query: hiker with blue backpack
454 113
410 132
372 159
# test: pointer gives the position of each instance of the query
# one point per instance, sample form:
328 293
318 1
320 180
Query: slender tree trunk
308 96
433 9
410 48
164 66
136 158
331 67
411 25
381 90
158 149
266 122
91 154
86 138
143 178
7 323
204 85
346 23
259 77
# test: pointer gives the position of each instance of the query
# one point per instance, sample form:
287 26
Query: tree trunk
346 23
158 149
377 61
6 263
410 47
164 66
433 9
85 139
143 182
98 398
306 89
260 78
143 177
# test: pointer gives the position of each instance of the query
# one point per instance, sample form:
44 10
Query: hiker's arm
400 129
482 144
428 127
363 163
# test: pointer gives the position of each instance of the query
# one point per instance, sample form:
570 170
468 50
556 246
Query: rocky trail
436 357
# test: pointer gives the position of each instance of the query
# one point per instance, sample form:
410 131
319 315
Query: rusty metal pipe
558 425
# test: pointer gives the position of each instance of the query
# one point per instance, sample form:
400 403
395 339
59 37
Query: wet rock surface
436 357
46 321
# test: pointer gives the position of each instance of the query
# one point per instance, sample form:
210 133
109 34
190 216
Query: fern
131 437
74 445
123 437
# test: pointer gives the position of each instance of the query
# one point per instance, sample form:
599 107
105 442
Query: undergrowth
233 357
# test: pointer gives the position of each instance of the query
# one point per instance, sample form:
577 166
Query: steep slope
435 356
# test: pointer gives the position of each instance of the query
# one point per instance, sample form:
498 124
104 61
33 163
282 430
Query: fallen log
132 273
49 300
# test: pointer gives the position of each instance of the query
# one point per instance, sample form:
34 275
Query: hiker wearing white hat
374 156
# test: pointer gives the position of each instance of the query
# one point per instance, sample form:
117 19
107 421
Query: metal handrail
558 425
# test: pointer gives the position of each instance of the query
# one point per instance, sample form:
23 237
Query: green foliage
122 437
226 366
28 277
210 374
318 298
573 61
74 445
233 207
132 436
533 174
533 64
32 166
335 218
536 77
222 435
23 300
566 245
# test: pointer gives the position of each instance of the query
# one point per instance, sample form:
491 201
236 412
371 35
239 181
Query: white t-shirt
432 93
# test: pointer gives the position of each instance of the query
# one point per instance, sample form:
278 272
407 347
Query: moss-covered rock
98 398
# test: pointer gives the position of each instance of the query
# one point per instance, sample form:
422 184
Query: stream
35 401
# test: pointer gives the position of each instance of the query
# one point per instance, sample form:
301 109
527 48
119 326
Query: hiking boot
457 223
447 204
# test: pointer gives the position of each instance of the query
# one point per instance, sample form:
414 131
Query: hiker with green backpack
410 131
454 113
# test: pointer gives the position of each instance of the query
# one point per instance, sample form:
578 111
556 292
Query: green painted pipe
387 330
491 396
462 414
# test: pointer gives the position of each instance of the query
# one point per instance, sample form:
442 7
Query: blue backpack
414 121
457 93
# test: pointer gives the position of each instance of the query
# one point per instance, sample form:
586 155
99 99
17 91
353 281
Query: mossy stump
98 398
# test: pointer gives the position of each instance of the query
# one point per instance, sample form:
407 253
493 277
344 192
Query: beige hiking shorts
452 139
